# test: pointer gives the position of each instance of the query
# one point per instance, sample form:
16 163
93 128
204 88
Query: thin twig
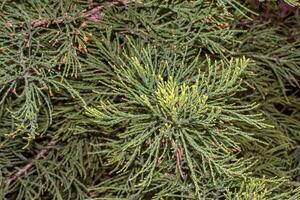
24 170
179 154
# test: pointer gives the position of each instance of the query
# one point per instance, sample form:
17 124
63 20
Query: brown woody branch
24 170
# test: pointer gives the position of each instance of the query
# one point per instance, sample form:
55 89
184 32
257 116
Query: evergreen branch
25 169
159 104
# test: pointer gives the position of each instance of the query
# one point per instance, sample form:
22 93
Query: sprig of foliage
175 110
262 189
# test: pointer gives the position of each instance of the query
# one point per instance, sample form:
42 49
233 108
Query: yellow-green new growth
177 118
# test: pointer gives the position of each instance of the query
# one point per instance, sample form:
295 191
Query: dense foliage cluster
149 99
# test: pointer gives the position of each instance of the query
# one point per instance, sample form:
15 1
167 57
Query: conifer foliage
149 99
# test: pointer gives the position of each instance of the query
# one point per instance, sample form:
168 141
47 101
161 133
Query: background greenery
149 99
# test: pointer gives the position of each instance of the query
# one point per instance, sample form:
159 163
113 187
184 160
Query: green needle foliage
262 189
173 117
292 2
149 99
34 46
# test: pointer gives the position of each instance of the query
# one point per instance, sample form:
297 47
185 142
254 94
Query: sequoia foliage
149 99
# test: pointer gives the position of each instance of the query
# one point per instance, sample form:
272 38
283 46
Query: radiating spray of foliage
176 118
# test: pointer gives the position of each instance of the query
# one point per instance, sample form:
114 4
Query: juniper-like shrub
149 99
